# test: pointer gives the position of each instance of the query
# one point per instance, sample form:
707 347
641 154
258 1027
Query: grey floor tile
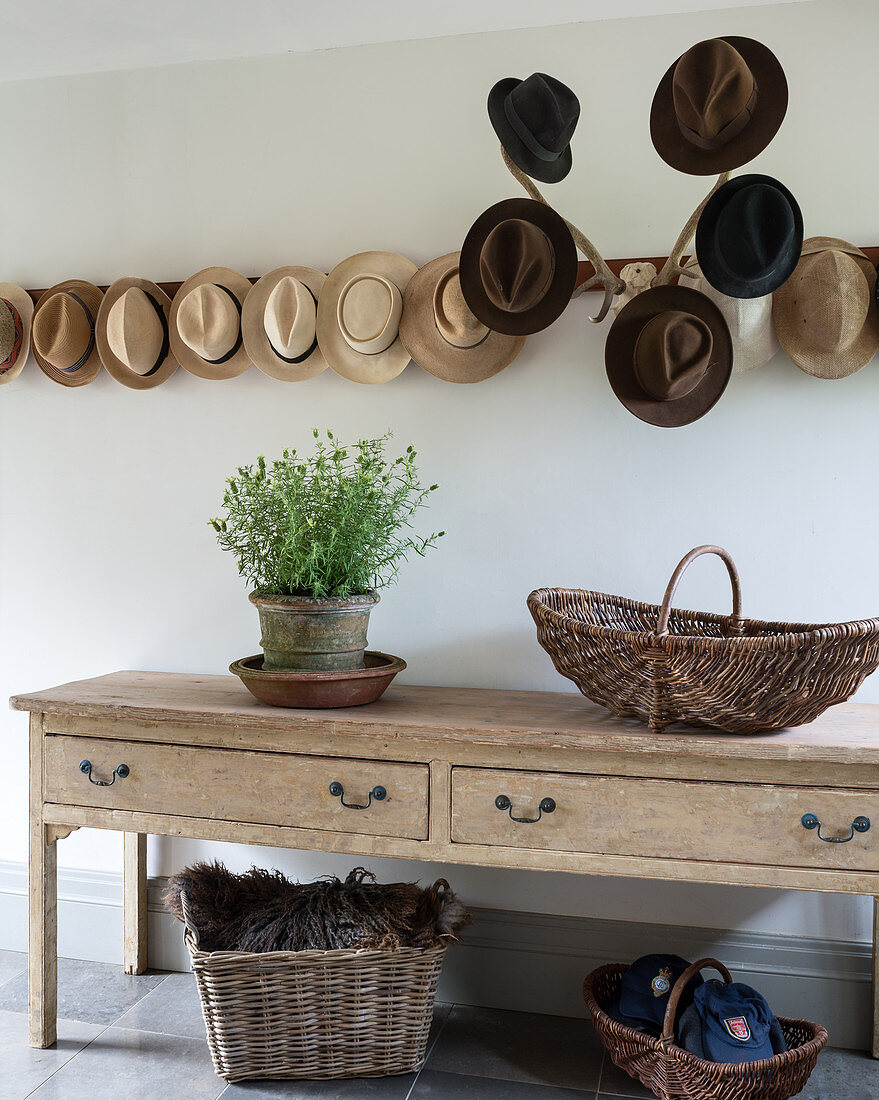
458 1086
97 993
518 1046
843 1075
616 1082
362 1088
136 1065
171 1008
12 963
24 1068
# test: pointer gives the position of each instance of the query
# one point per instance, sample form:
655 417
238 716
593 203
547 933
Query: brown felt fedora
518 267
826 317
279 321
16 313
63 332
133 334
440 332
205 324
669 355
718 106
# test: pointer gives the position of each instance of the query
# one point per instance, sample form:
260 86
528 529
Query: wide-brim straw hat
19 307
358 316
701 383
825 315
205 324
440 332
280 323
63 332
133 333
738 81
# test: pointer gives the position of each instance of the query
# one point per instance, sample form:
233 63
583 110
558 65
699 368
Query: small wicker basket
672 1073
315 1014
716 671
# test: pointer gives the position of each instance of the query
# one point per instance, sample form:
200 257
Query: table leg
875 1003
42 905
134 903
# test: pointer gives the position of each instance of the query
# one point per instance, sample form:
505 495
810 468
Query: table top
845 734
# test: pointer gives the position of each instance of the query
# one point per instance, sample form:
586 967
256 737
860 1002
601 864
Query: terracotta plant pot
317 634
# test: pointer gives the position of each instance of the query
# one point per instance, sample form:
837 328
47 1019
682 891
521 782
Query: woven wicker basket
295 1014
672 1073
717 671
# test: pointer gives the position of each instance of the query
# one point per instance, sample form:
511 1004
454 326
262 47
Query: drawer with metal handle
674 819
309 792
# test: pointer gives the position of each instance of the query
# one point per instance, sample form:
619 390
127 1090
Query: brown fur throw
264 911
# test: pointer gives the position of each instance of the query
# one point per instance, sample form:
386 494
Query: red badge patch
737 1026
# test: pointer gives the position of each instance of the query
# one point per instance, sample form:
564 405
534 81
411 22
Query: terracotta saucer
294 688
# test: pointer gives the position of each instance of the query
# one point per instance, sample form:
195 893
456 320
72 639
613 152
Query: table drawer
236 785
659 818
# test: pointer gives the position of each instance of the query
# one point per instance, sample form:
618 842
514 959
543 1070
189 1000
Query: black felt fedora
518 267
535 120
718 106
749 237
669 355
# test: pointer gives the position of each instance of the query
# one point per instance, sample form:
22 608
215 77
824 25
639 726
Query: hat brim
355 365
426 344
564 279
546 171
256 339
751 351
619 355
712 266
24 304
115 366
769 111
91 368
186 356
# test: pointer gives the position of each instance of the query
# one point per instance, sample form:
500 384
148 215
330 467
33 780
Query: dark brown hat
669 355
718 106
518 267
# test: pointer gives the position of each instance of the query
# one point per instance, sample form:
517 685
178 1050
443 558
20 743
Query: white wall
106 561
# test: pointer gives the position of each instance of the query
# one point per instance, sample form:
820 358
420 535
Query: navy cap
730 1023
645 989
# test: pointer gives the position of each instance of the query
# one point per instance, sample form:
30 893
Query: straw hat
535 120
718 106
441 334
518 267
16 312
63 332
669 355
825 314
133 335
205 324
749 321
279 321
358 316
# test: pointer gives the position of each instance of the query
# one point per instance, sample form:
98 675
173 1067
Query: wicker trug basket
716 671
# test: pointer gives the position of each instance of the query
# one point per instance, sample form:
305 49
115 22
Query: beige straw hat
279 322
358 316
440 332
16 313
205 324
825 314
133 335
63 332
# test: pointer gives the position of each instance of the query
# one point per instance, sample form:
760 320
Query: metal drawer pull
121 770
547 806
859 825
338 791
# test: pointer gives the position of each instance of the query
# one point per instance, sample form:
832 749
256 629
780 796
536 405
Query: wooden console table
495 778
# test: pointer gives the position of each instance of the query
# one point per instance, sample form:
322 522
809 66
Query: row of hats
373 313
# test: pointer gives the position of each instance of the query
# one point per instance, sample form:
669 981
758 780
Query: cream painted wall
106 558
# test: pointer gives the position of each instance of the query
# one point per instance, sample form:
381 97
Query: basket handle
190 932
735 621
671 1011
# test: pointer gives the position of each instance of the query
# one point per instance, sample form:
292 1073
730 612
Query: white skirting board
528 962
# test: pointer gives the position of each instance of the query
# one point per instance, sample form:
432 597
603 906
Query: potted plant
316 537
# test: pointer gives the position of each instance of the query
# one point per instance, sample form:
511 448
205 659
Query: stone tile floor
142 1037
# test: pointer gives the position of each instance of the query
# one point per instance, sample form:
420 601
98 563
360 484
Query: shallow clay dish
304 688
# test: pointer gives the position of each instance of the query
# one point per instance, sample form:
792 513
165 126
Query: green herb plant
331 525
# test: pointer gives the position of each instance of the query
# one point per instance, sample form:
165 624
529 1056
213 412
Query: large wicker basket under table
310 1014
672 1073
717 671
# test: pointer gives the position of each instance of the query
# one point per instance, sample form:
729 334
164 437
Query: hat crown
368 313
516 264
754 231
7 331
454 319
713 89
289 317
547 109
209 321
672 353
63 330
134 331
831 299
